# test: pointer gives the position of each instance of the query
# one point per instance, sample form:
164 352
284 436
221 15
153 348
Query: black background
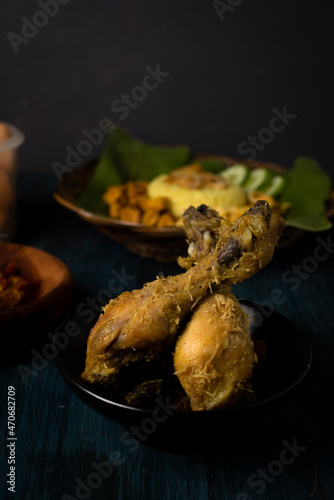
227 72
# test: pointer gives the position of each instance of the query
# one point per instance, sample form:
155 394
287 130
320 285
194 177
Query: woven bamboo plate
163 244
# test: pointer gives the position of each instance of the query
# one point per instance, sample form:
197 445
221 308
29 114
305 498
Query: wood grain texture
61 442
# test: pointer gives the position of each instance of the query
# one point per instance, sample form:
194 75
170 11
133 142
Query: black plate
288 360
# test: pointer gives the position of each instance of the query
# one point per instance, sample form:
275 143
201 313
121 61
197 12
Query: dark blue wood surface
63 446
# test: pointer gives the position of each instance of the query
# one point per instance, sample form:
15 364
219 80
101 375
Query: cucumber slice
276 186
257 179
236 174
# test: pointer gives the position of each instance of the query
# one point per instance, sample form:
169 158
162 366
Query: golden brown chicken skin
141 323
214 355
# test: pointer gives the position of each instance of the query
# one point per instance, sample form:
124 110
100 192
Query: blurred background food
222 76
142 183
5 132
10 139
15 289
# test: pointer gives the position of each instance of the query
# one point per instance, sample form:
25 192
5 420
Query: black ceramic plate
288 359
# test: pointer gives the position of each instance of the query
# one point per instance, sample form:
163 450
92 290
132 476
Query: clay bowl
163 244
49 301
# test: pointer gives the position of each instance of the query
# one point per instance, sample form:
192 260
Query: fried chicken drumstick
214 354
139 325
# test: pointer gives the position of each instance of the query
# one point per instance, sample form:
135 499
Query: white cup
10 139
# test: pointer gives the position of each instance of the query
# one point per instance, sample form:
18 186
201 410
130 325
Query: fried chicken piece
248 243
203 227
214 355
150 318
147 317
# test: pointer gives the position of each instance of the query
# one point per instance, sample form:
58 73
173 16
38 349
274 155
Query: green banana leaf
126 158
307 190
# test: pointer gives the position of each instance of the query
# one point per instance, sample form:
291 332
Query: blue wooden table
65 450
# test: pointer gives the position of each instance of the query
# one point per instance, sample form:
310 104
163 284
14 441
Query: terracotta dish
54 290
